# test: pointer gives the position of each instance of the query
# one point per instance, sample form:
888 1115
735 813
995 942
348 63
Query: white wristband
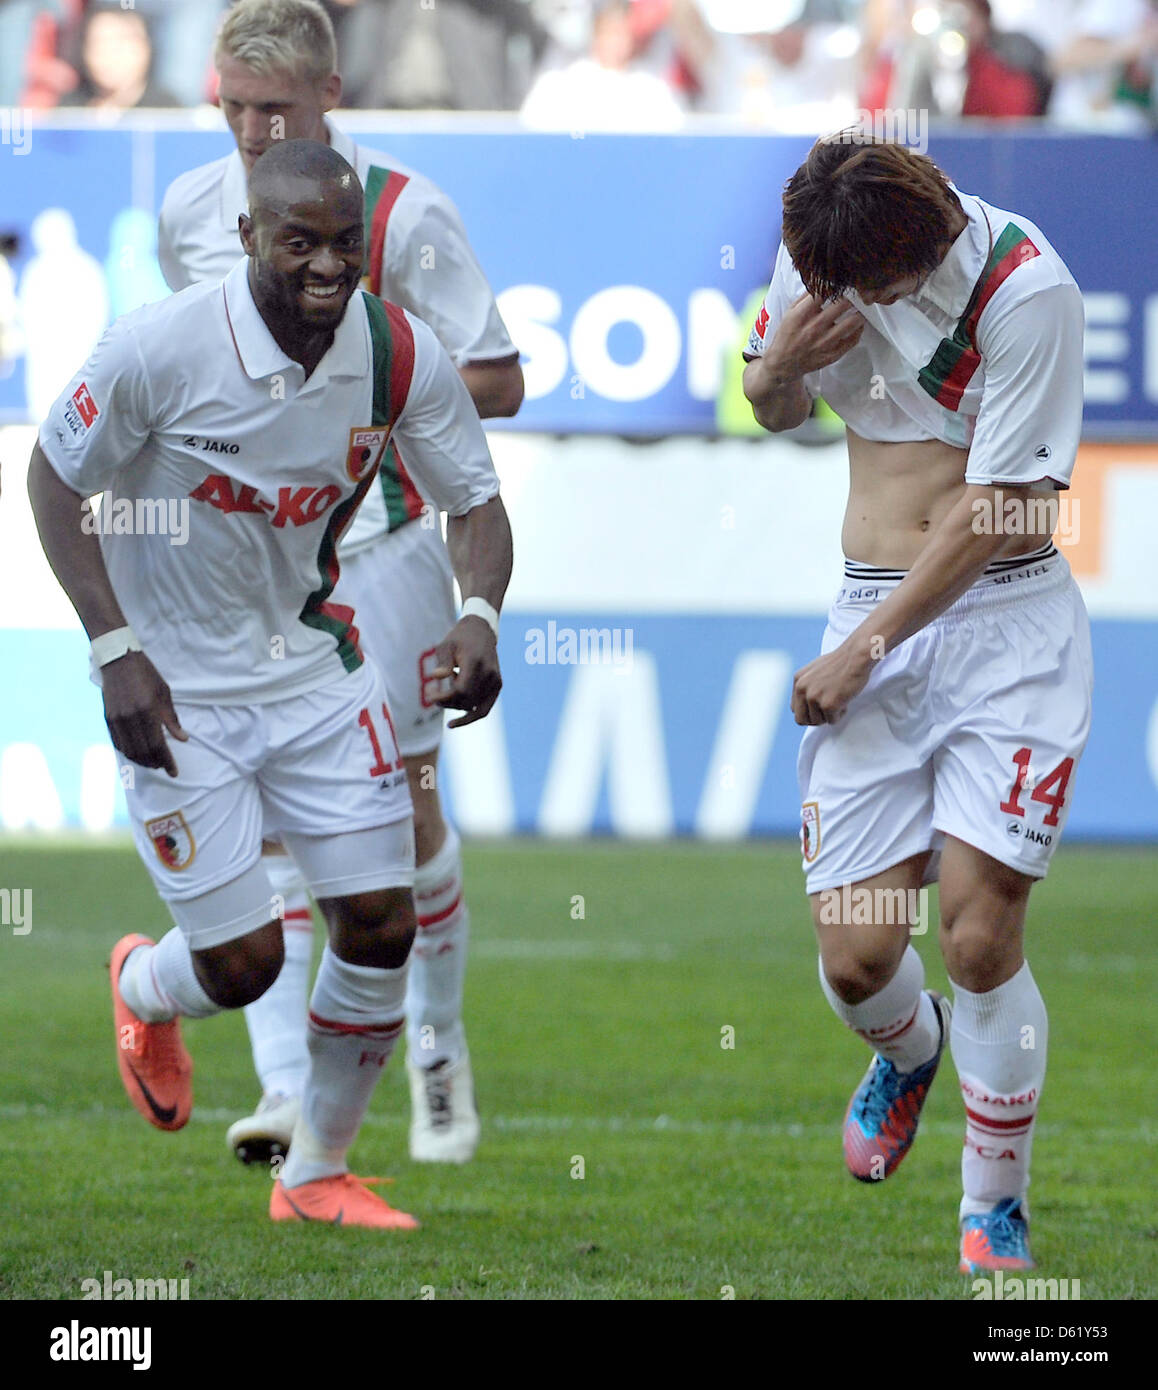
480 608
111 646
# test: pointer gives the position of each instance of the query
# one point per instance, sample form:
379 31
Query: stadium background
625 266
650 1009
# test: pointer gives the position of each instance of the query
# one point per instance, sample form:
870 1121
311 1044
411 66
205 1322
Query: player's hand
822 690
468 657
139 711
814 335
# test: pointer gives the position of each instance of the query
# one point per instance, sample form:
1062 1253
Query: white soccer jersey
1003 380
189 409
418 256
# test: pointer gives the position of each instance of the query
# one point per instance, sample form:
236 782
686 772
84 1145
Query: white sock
899 1021
277 1021
999 1041
159 983
434 1031
355 1019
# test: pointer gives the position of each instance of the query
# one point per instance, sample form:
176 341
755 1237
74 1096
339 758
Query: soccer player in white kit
951 702
264 405
276 60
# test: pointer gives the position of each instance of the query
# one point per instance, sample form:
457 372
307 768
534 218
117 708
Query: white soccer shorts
321 770
973 727
402 591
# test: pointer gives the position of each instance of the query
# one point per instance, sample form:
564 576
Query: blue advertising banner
639 725
625 265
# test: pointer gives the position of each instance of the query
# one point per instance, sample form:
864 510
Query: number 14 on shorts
1042 791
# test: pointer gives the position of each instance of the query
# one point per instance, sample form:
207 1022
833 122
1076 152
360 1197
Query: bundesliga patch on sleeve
81 411
756 337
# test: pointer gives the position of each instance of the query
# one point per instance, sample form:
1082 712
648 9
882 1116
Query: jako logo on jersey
298 505
762 322
81 410
365 452
211 446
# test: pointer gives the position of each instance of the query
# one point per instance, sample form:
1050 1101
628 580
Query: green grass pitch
627 1152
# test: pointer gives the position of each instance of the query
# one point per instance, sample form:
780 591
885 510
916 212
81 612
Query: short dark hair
861 213
306 158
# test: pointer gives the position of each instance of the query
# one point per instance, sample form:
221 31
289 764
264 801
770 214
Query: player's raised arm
810 336
1029 413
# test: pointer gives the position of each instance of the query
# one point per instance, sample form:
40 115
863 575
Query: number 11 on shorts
381 766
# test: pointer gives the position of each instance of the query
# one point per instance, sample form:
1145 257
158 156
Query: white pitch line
581 949
1143 1131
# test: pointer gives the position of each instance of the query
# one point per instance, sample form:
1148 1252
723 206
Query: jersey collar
260 355
951 284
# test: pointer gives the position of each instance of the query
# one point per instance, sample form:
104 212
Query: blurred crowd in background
788 65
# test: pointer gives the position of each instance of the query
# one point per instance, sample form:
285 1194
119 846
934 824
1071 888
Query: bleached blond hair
279 36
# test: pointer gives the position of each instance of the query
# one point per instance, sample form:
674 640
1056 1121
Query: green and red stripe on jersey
957 358
336 618
392 344
382 189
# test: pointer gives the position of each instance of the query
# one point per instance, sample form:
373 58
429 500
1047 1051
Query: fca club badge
366 450
173 841
810 830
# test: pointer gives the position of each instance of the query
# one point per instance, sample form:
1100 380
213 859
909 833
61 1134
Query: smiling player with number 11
292 737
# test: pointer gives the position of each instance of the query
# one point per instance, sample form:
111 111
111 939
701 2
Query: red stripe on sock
436 917
300 919
871 1037
998 1126
382 1031
436 890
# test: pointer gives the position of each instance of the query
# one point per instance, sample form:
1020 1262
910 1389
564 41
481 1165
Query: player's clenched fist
822 690
469 659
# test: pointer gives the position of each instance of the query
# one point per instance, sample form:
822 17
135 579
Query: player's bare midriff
900 493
